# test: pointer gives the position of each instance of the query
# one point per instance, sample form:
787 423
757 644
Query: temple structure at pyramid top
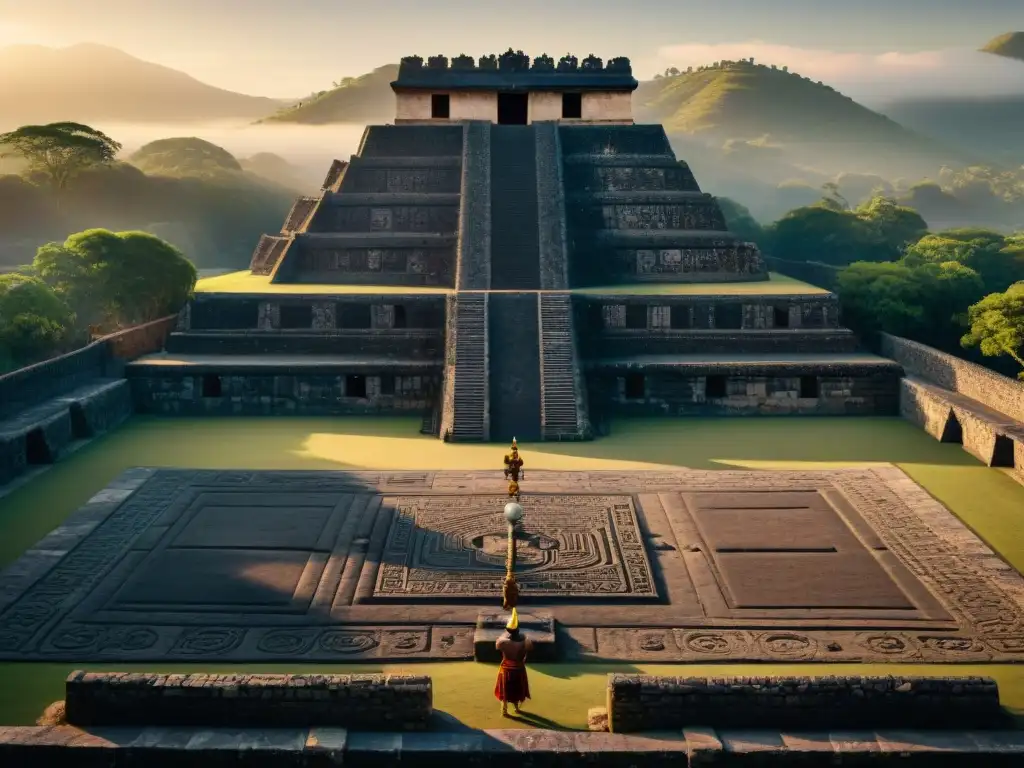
507 173
513 255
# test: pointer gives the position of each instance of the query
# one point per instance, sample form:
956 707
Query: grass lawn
779 285
987 499
246 282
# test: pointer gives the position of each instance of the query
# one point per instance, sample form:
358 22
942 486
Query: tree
881 297
33 320
925 302
116 279
821 233
997 325
60 150
895 226
998 259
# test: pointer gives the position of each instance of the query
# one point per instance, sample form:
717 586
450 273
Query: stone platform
695 566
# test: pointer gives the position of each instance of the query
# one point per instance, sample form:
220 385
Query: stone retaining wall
746 393
368 702
647 703
283 391
60 746
34 384
1000 393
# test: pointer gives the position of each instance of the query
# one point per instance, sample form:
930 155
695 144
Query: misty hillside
988 126
95 83
364 99
1010 45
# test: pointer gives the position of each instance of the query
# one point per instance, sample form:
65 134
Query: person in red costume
512 686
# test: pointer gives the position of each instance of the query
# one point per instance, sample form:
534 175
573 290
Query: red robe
512 685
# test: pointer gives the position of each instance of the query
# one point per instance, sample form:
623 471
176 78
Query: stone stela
845 565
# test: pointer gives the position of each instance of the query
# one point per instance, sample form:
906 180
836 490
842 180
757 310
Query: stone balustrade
645 703
368 702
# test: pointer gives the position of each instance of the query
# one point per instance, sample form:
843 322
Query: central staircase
515 250
515 400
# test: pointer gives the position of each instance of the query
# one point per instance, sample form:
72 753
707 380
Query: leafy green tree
926 302
113 279
997 325
821 233
882 296
33 320
60 151
895 226
998 259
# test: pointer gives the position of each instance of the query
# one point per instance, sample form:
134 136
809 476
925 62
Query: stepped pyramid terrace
514 256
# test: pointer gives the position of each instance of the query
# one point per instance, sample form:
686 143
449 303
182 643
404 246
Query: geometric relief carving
455 546
839 566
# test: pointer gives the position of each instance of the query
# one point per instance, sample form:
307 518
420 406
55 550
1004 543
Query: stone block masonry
327 747
645 703
367 702
968 379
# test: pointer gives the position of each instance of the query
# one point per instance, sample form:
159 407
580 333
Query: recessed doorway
513 108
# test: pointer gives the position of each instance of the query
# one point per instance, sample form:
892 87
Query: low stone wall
1000 393
813 272
368 702
645 703
34 384
711 342
670 393
288 391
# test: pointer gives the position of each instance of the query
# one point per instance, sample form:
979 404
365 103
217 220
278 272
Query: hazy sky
290 47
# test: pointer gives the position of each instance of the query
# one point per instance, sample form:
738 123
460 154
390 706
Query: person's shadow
537 721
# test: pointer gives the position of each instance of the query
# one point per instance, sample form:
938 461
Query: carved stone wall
412 141
296 391
384 218
713 342
369 702
364 177
615 140
668 314
669 176
652 392
647 703
368 266
696 215
227 313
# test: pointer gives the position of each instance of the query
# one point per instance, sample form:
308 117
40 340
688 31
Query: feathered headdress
513 622
514 446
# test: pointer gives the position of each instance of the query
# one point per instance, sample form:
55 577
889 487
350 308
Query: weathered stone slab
395 566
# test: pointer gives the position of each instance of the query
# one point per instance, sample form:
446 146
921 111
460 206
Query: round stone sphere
513 512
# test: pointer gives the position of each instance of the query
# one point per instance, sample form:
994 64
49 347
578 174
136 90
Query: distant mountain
364 99
1010 45
800 120
87 83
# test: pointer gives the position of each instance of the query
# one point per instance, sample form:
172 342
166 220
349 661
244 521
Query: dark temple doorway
513 108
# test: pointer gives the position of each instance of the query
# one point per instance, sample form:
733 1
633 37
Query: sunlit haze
290 49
